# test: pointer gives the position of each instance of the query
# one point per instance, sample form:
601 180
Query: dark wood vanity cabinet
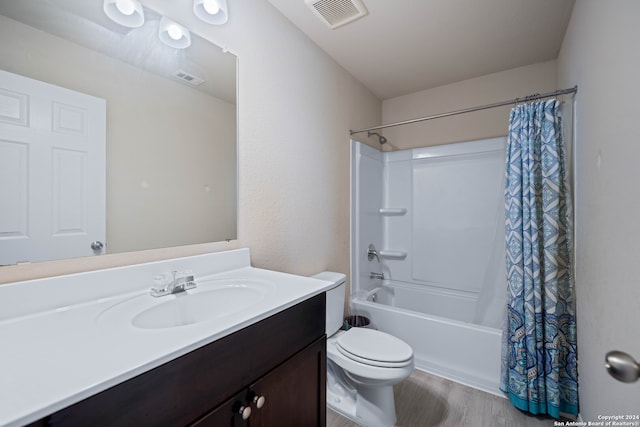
287 396
276 368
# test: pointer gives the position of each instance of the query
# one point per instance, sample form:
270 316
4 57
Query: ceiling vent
188 78
335 13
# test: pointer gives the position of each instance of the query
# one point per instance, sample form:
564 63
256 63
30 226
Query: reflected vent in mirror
189 78
334 13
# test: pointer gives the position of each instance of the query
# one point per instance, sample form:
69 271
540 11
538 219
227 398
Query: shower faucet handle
372 253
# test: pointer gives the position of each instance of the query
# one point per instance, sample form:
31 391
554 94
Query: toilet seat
374 348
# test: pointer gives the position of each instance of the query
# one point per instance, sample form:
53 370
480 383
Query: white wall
296 106
600 55
496 87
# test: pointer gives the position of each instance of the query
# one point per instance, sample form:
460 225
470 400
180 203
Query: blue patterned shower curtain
539 372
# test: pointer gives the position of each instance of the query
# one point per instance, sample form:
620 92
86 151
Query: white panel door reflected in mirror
52 163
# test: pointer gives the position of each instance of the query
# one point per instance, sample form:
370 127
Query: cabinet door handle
245 412
259 401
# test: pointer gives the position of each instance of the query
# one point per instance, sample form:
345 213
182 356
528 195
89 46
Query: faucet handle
372 252
162 282
185 273
163 279
189 279
169 277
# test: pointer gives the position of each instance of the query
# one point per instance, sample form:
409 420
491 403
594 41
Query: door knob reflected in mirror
622 366
97 246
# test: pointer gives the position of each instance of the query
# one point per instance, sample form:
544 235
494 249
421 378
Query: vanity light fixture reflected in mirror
173 34
211 11
128 13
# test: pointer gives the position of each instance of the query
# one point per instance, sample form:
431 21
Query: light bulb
211 6
174 32
211 11
128 13
126 7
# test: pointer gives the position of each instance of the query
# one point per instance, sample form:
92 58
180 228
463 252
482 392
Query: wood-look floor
425 400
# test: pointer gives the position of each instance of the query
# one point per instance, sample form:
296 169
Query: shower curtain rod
469 110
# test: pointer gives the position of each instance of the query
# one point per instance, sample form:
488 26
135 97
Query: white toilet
362 364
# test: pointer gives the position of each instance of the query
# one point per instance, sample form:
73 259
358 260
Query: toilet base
369 407
344 405
341 393
376 406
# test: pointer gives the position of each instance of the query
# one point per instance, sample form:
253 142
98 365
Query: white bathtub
454 349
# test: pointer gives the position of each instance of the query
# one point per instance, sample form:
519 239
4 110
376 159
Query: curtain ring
532 97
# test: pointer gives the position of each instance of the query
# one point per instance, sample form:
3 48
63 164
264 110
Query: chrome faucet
173 283
376 276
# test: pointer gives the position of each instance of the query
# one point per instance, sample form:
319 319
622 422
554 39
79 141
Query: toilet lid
374 348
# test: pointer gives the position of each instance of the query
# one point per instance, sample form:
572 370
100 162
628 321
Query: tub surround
58 349
440 251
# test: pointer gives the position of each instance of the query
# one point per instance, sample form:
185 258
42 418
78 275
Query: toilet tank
335 300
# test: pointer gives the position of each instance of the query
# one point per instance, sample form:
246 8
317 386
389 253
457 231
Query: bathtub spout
372 295
376 276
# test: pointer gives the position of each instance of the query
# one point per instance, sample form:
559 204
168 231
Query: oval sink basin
209 301
186 309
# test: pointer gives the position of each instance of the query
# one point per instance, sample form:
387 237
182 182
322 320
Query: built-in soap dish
393 211
393 254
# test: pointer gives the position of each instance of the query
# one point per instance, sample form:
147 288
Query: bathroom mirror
171 166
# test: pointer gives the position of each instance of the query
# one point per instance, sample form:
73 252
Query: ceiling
404 46
84 22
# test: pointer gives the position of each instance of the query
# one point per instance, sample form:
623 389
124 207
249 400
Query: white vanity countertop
58 353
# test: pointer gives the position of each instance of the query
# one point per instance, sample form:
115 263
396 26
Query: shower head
380 137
